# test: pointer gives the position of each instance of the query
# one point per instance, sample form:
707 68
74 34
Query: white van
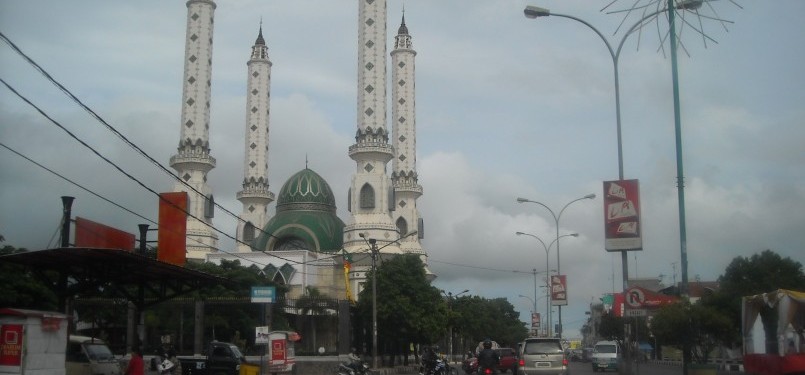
90 356
606 355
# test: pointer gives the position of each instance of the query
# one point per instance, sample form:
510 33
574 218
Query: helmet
487 344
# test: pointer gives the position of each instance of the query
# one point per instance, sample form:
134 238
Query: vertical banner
535 320
91 234
558 290
622 215
11 348
172 235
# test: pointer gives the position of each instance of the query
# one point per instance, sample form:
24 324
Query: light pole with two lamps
450 297
547 276
556 221
535 12
375 251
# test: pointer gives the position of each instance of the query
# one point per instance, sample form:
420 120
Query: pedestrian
136 365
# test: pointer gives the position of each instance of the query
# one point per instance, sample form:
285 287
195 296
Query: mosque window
367 198
402 226
291 243
209 207
248 232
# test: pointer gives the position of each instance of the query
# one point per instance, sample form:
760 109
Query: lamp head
590 196
534 12
573 234
522 200
361 235
519 233
689 4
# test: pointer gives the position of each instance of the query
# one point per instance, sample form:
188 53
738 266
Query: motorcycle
162 365
470 365
357 368
440 367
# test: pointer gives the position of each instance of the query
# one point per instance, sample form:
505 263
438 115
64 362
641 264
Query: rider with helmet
488 358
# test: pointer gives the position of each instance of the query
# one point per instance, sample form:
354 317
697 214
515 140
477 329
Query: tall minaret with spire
403 114
371 195
193 161
255 195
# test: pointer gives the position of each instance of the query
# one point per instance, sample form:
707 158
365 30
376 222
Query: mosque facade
305 244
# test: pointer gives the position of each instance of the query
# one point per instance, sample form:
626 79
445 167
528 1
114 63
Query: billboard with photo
558 290
622 227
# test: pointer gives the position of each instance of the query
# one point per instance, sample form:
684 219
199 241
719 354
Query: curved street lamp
450 297
673 5
548 274
556 221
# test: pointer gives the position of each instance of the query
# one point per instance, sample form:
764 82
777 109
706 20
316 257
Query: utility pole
373 243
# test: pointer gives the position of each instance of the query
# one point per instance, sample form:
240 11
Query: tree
698 327
760 273
20 289
409 309
478 318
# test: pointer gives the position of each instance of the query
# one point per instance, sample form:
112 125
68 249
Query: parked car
543 356
508 360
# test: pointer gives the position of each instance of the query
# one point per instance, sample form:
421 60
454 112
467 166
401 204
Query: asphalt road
580 368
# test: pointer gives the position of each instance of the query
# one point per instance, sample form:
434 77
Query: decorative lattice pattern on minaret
256 195
193 161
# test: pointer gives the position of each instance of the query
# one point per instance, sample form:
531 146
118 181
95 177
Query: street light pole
533 302
547 273
373 243
556 221
450 297
375 251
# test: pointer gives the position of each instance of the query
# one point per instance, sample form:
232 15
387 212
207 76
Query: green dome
305 218
306 190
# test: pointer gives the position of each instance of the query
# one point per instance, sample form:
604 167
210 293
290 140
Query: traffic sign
635 312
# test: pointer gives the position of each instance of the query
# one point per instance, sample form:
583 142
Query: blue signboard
263 294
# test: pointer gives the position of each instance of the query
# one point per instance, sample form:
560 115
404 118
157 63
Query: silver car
542 356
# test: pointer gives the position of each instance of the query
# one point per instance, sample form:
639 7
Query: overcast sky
507 107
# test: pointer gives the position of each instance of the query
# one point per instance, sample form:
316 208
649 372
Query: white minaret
403 115
371 194
192 162
255 195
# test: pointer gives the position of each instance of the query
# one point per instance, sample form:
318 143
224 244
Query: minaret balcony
404 188
256 196
196 162
371 151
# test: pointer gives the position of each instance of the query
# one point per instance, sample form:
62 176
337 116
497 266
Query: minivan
542 356
606 356
90 356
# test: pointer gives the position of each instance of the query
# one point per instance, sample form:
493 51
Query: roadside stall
789 306
32 342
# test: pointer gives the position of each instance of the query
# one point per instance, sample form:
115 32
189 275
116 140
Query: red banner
535 320
622 215
558 290
91 234
278 351
11 345
172 235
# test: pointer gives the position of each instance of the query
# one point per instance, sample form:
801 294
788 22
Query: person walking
136 365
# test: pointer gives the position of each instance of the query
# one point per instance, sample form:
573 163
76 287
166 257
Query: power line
121 136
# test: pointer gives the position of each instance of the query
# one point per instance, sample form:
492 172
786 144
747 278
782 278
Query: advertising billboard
558 290
622 229
91 234
171 238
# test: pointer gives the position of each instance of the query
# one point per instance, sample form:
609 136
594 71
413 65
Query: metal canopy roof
142 280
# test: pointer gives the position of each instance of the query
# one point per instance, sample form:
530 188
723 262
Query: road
579 368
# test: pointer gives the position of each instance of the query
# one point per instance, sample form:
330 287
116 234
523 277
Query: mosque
305 244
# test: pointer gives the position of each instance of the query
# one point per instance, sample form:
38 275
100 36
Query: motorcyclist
488 358
429 358
355 361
